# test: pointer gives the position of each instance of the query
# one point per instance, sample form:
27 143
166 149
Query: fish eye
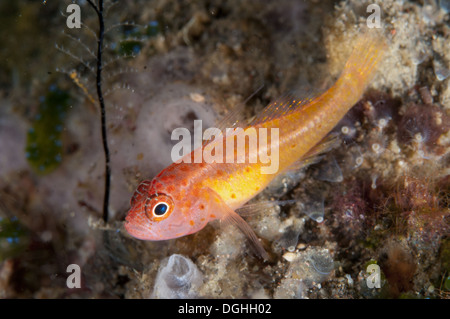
160 209
158 206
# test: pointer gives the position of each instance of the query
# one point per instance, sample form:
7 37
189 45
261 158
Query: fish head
159 212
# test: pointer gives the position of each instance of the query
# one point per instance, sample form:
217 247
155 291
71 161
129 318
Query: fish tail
361 65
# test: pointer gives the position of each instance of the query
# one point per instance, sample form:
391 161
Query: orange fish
185 196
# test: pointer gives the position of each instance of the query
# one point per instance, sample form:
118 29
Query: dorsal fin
235 117
282 106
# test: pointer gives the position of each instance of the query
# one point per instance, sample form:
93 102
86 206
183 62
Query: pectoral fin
229 216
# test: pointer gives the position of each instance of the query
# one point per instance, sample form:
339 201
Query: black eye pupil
161 209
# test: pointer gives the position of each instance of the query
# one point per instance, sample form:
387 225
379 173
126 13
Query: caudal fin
361 65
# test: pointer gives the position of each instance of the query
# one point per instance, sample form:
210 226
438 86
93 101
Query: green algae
13 238
447 283
134 37
445 254
44 148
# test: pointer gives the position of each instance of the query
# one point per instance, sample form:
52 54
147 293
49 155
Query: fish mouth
137 231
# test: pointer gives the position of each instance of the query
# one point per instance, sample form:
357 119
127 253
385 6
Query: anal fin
261 207
291 176
316 153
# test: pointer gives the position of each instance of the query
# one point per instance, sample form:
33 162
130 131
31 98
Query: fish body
185 196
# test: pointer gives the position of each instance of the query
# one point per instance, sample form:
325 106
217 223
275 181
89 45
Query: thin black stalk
99 11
